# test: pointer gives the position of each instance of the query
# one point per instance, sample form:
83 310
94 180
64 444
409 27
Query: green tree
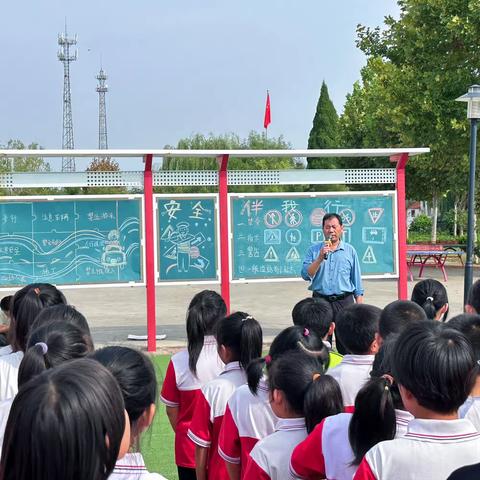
230 141
324 132
30 164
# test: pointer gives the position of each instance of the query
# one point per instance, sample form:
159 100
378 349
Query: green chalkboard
66 241
186 236
271 234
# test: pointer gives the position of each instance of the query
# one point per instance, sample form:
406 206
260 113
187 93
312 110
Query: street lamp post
472 97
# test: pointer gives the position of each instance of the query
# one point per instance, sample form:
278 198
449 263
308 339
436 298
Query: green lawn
158 443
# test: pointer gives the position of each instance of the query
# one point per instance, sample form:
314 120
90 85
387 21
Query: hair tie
389 381
306 332
248 317
268 359
44 347
36 290
430 298
315 376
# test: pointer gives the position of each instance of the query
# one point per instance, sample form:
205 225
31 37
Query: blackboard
187 240
63 241
271 234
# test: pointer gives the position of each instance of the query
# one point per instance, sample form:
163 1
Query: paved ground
113 313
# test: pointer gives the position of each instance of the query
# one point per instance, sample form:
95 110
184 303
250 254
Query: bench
429 255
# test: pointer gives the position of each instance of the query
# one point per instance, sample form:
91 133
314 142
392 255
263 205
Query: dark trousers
336 306
185 473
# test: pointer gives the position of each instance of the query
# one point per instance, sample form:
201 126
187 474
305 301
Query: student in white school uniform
249 416
301 396
435 368
239 341
337 445
135 375
189 370
356 327
25 306
469 325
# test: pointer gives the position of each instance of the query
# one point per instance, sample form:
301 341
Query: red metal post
402 225
149 254
224 240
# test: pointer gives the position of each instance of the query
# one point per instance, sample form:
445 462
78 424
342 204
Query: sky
179 67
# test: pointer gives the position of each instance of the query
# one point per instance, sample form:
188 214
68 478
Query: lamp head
472 97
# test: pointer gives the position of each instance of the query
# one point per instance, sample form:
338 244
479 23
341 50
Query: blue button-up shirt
340 273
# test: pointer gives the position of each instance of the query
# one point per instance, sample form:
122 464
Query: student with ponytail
337 445
300 396
239 341
432 296
135 375
26 304
189 370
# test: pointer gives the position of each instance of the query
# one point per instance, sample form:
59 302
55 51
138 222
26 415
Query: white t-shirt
132 467
471 410
9 365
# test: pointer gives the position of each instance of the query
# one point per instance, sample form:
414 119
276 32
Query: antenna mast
102 88
68 163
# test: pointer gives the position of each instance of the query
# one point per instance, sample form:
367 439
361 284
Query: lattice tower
64 55
102 89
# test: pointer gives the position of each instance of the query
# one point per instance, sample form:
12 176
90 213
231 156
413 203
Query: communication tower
64 55
102 89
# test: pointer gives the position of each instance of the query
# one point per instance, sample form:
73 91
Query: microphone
329 243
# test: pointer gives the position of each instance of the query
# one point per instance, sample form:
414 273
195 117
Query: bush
446 221
421 224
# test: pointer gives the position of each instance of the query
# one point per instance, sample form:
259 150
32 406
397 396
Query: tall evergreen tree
324 132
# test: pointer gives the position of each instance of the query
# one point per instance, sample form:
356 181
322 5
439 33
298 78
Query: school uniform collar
231 366
262 384
131 463
209 340
441 430
358 359
403 417
286 424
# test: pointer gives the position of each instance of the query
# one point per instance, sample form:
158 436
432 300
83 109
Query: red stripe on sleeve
229 438
201 427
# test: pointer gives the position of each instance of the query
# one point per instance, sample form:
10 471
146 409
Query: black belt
332 298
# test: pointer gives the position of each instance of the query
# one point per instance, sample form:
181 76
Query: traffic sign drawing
293 218
271 255
375 214
293 255
348 217
272 237
316 217
316 235
293 236
376 235
273 218
369 256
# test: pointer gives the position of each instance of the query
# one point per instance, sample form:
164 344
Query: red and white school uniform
181 389
351 374
270 457
132 467
431 449
209 412
248 418
326 452
471 410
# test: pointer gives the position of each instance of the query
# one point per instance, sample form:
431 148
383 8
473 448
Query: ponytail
255 372
429 308
242 334
322 399
431 295
374 418
205 310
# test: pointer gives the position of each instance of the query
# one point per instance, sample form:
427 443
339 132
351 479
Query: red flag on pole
267 119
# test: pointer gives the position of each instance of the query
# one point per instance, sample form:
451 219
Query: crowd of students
403 403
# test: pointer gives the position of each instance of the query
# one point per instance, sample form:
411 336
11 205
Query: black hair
242 334
63 342
474 296
398 315
436 364
356 327
308 391
67 422
374 419
26 305
328 216
469 325
205 310
66 314
5 303
291 338
135 374
313 313
431 295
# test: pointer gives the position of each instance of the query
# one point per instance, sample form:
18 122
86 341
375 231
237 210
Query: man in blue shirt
333 269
